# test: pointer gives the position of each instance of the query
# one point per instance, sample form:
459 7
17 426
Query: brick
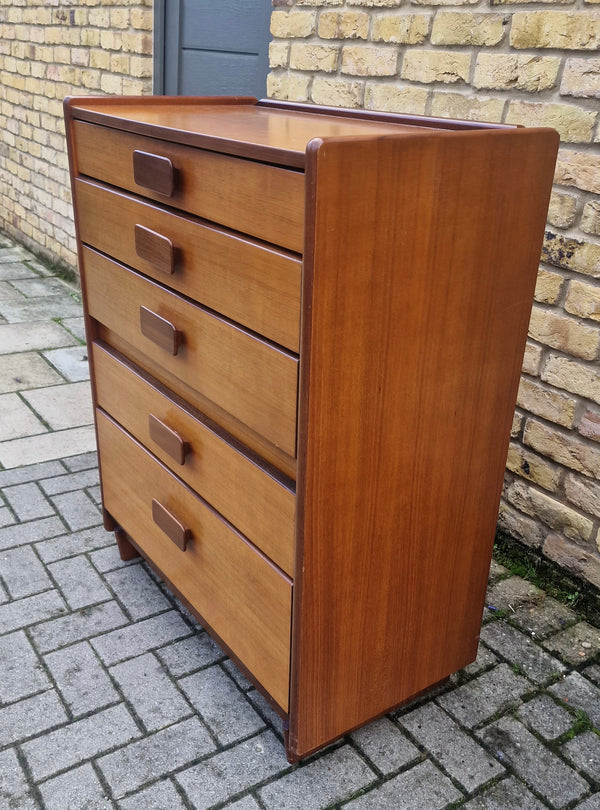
548 286
288 87
572 376
137 591
550 511
23 573
532 73
67 545
563 448
564 333
583 493
579 169
574 124
334 92
144 636
573 558
522 652
530 466
544 618
509 794
543 401
401 28
589 425
423 787
314 57
343 25
294 23
158 797
578 643
543 716
583 300
519 526
79 787
369 60
279 54
375 3
581 78
532 359
151 693
22 672
13 782
30 716
566 30
478 700
468 108
467 28
540 769
390 98
81 679
78 582
77 626
79 741
32 609
385 745
436 66
590 219
157 755
517 424
461 757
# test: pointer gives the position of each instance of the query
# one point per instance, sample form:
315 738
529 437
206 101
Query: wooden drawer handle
154 172
155 248
168 439
173 528
160 331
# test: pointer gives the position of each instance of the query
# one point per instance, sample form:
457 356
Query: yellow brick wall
48 50
524 63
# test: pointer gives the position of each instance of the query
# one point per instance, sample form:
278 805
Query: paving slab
25 337
34 449
18 372
62 406
71 362
17 419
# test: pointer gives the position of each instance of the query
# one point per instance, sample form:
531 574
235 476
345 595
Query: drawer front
150 504
248 378
257 503
246 281
251 197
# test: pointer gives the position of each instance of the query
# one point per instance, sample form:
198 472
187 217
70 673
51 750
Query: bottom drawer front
240 595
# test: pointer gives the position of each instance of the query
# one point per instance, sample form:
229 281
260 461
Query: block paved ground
112 696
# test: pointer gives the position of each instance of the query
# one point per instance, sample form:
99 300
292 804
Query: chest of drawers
305 332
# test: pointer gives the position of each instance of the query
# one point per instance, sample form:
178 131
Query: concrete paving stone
28 502
579 693
186 656
107 559
583 752
485 659
155 756
576 644
30 716
31 609
67 545
42 287
32 310
3 594
538 666
545 717
47 446
71 362
509 794
266 711
592 803
95 493
13 783
422 787
497 572
511 593
141 637
331 778
70 482
549 616
247 803
63 406
25 370
85 461
478 700
31 532
460 756
384 745
137 591
33 472
8 292
17 419
23 573
234 673
22 672
13 253
148 689
12 270
77 626
26 337
78 789
79 582
221 705
162 796
539 768
7 518
76 326
81 679
80 740
231 772
77 509
593 673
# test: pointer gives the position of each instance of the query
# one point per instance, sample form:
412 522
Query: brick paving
112 696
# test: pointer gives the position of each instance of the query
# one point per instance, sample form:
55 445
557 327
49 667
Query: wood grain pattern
160 331
249 282
171 525
247 377
174 445
154 173
255 618
153 248
255 198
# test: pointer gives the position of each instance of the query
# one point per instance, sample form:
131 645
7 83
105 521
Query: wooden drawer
261 505
248 378
237 592
246 281
251 197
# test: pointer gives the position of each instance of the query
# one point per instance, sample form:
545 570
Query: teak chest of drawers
306 329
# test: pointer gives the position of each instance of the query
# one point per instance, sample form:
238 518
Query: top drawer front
255 198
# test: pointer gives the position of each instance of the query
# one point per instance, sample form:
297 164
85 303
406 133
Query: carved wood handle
168 439
170 525
160 331
154 172
155 248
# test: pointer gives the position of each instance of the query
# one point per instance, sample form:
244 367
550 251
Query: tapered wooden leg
126 550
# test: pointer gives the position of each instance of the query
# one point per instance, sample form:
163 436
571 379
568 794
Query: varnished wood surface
420 279
255 501
247 281
238 592
247 377
254 198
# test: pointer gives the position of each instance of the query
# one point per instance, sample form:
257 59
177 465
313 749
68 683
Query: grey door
211 47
